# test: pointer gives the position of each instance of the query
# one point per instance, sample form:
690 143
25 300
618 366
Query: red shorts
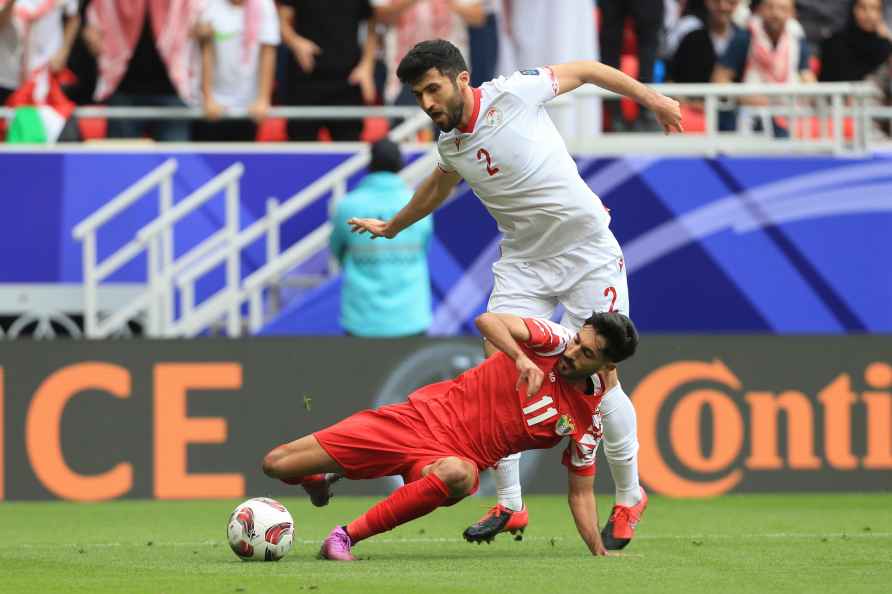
389 441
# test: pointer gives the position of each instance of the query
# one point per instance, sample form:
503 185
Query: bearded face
441 98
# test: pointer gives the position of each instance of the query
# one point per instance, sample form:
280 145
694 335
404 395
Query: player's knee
272 462
458 475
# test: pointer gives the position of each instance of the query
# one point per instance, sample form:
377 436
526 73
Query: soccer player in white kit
556 248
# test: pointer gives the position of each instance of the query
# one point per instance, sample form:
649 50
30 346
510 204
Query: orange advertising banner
757 430
96 420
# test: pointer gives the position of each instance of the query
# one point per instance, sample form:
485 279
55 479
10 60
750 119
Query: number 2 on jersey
607 293
484 154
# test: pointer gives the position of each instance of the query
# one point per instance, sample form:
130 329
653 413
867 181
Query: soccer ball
260 529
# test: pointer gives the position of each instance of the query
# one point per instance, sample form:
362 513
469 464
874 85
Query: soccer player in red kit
546 383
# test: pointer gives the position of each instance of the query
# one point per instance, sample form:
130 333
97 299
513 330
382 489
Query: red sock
403 505
297 480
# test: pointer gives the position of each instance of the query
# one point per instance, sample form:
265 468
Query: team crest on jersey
531 72
551 377
493 117
457 143
564 426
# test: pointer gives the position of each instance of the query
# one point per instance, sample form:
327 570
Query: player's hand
530 374
596 546
375 227
668 112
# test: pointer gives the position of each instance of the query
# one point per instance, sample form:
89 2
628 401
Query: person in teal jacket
386 286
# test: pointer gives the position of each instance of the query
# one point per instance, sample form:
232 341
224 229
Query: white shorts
590 278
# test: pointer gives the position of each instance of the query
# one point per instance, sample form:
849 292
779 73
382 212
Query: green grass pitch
741 543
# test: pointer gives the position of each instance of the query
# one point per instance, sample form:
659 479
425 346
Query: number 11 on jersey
537 407
484 154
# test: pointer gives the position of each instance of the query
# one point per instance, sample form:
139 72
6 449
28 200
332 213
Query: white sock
508 482
620 428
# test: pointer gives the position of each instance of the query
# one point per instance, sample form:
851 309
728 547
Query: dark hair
851 23
386 156
698 9
619 333
433 53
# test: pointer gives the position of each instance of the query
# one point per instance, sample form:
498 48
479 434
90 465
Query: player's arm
581 498
506 332
572 75
428 196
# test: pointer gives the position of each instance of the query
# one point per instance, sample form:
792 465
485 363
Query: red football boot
498 519
318 487
620 528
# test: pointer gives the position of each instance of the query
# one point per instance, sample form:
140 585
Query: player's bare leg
444 481
509 513
304 462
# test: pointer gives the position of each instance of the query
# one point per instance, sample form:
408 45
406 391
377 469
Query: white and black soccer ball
260 529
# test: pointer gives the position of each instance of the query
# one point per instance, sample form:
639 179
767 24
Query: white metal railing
797 102
161 277
307 247
156 239
196 318
195 113
94 271
830 101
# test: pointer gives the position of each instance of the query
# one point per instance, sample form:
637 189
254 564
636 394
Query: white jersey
517 164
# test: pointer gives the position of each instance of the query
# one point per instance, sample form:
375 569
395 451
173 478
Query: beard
567 370
775 28
453 115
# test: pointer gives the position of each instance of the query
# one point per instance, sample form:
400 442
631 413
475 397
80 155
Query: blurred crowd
242 56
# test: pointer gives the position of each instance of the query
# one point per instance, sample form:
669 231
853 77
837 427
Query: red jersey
482 416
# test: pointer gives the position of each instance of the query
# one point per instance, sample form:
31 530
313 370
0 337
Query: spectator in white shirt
34 35
541 33
238 48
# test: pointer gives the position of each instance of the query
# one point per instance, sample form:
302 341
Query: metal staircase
170 278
